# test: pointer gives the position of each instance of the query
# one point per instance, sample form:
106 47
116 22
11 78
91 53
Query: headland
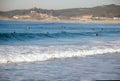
98 14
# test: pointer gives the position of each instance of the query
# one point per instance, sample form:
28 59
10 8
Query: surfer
97 34
63 27
28 27
14 32
47 33
8 62
101 28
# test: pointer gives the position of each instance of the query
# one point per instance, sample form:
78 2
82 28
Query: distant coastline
98 14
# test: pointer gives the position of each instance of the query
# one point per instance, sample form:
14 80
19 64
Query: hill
98 11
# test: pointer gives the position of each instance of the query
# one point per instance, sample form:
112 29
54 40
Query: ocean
57 51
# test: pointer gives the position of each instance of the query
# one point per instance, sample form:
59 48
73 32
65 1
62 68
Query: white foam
37 53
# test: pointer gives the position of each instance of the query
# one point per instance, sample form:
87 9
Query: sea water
56 51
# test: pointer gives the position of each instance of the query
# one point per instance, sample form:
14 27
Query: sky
6 5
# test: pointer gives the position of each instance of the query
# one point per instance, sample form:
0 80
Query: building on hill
83 17
32 15
44 15
21 17
86 16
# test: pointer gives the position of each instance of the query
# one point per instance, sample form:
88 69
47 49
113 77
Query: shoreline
68 21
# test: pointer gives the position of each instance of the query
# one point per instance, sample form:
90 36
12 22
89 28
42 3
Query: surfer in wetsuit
28 27
97 34
14 32
47 33
101 28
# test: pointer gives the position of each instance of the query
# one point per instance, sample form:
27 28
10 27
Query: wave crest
34 53
25 36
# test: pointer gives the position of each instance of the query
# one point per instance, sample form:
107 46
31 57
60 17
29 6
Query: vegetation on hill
99 11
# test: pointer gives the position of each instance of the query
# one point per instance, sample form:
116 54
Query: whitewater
56 51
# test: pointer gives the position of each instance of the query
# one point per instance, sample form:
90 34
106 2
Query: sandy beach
65 21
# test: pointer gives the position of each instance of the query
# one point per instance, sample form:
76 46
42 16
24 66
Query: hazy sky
52 4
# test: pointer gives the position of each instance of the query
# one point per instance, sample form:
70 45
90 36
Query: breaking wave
15 54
